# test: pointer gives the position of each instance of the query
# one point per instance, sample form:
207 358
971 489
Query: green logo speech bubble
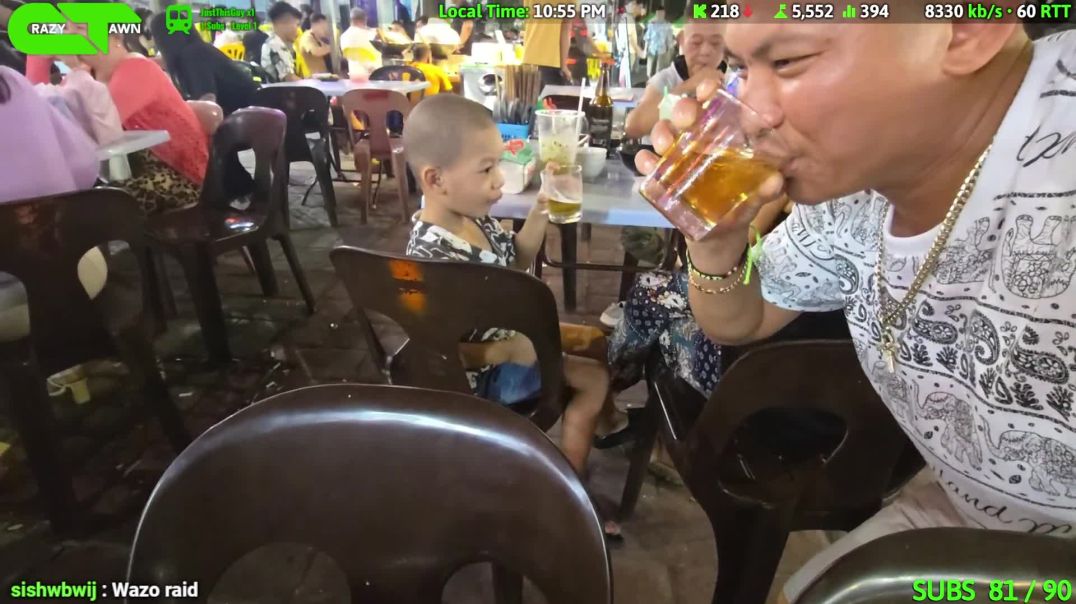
40 29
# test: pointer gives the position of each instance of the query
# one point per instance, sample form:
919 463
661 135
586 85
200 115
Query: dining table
338 88
610 199
113 156
622 97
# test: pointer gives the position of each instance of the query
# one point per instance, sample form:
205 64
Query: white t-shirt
356 37
986 374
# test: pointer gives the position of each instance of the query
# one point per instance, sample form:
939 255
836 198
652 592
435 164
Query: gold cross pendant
889 350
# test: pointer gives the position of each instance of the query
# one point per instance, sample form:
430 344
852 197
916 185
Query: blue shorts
509 383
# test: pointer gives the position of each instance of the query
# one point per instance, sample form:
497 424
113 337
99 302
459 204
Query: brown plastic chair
197 235
387 481
884 570
307 109
757 488
377 142
438 302
41 243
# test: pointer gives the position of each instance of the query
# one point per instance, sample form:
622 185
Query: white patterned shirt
986 370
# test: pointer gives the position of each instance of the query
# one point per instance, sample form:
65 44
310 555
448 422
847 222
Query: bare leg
590 383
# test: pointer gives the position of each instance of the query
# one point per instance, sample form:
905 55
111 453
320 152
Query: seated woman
657 315
168 176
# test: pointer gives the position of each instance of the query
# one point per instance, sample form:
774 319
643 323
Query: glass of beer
721 161
563 187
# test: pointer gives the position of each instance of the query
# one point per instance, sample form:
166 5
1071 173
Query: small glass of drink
714 166
563 187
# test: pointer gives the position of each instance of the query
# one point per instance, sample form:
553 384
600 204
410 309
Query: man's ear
974 44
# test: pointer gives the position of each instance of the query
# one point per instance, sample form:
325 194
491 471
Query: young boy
454 149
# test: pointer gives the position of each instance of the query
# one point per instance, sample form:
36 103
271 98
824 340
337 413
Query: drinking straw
578 117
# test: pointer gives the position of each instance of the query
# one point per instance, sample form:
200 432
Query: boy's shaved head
436 130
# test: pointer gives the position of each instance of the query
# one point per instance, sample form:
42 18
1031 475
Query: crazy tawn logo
47 29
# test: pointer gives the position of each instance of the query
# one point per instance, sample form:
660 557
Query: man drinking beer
934 177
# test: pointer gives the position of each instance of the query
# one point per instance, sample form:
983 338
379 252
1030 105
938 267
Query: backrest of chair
882 570
260 129
41 243
400 486
307 109
817 375
209 114
374 107
439 302
399 73
255 72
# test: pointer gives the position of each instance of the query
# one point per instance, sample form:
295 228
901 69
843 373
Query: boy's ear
429 177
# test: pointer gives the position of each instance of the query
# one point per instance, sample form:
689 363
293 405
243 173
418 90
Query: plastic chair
234 51
437 302
41 243
209 114
401 73
255 72
883 570
378 141
758 474
383 480
196 235
307 109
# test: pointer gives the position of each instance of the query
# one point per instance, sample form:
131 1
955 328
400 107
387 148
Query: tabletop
612 199
131 141
621 96
341 87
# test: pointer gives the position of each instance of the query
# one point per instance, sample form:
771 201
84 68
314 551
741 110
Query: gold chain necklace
887 317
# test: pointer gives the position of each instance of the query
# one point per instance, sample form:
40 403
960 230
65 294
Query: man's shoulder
827 220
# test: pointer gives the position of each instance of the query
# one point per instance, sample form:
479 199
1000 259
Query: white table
623 97
116 152
343 86
612 199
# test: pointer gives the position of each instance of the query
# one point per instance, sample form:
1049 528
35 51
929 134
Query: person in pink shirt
168 176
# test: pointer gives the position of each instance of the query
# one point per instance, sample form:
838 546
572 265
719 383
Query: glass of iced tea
563 187
718 163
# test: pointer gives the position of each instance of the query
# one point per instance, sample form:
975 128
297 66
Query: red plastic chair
377 142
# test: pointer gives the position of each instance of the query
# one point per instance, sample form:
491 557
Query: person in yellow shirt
423 61
545 44
315 44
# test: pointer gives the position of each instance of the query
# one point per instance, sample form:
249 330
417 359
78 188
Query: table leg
569 248
627 278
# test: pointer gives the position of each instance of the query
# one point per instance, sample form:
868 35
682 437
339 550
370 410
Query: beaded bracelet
723 289
695 272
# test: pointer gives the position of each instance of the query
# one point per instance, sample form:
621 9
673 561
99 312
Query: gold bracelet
723 289
694 271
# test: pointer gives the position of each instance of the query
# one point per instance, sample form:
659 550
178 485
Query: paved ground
668 554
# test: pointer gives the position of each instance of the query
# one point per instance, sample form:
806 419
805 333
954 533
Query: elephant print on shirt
1039 266
959 437
1052 464
967 259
